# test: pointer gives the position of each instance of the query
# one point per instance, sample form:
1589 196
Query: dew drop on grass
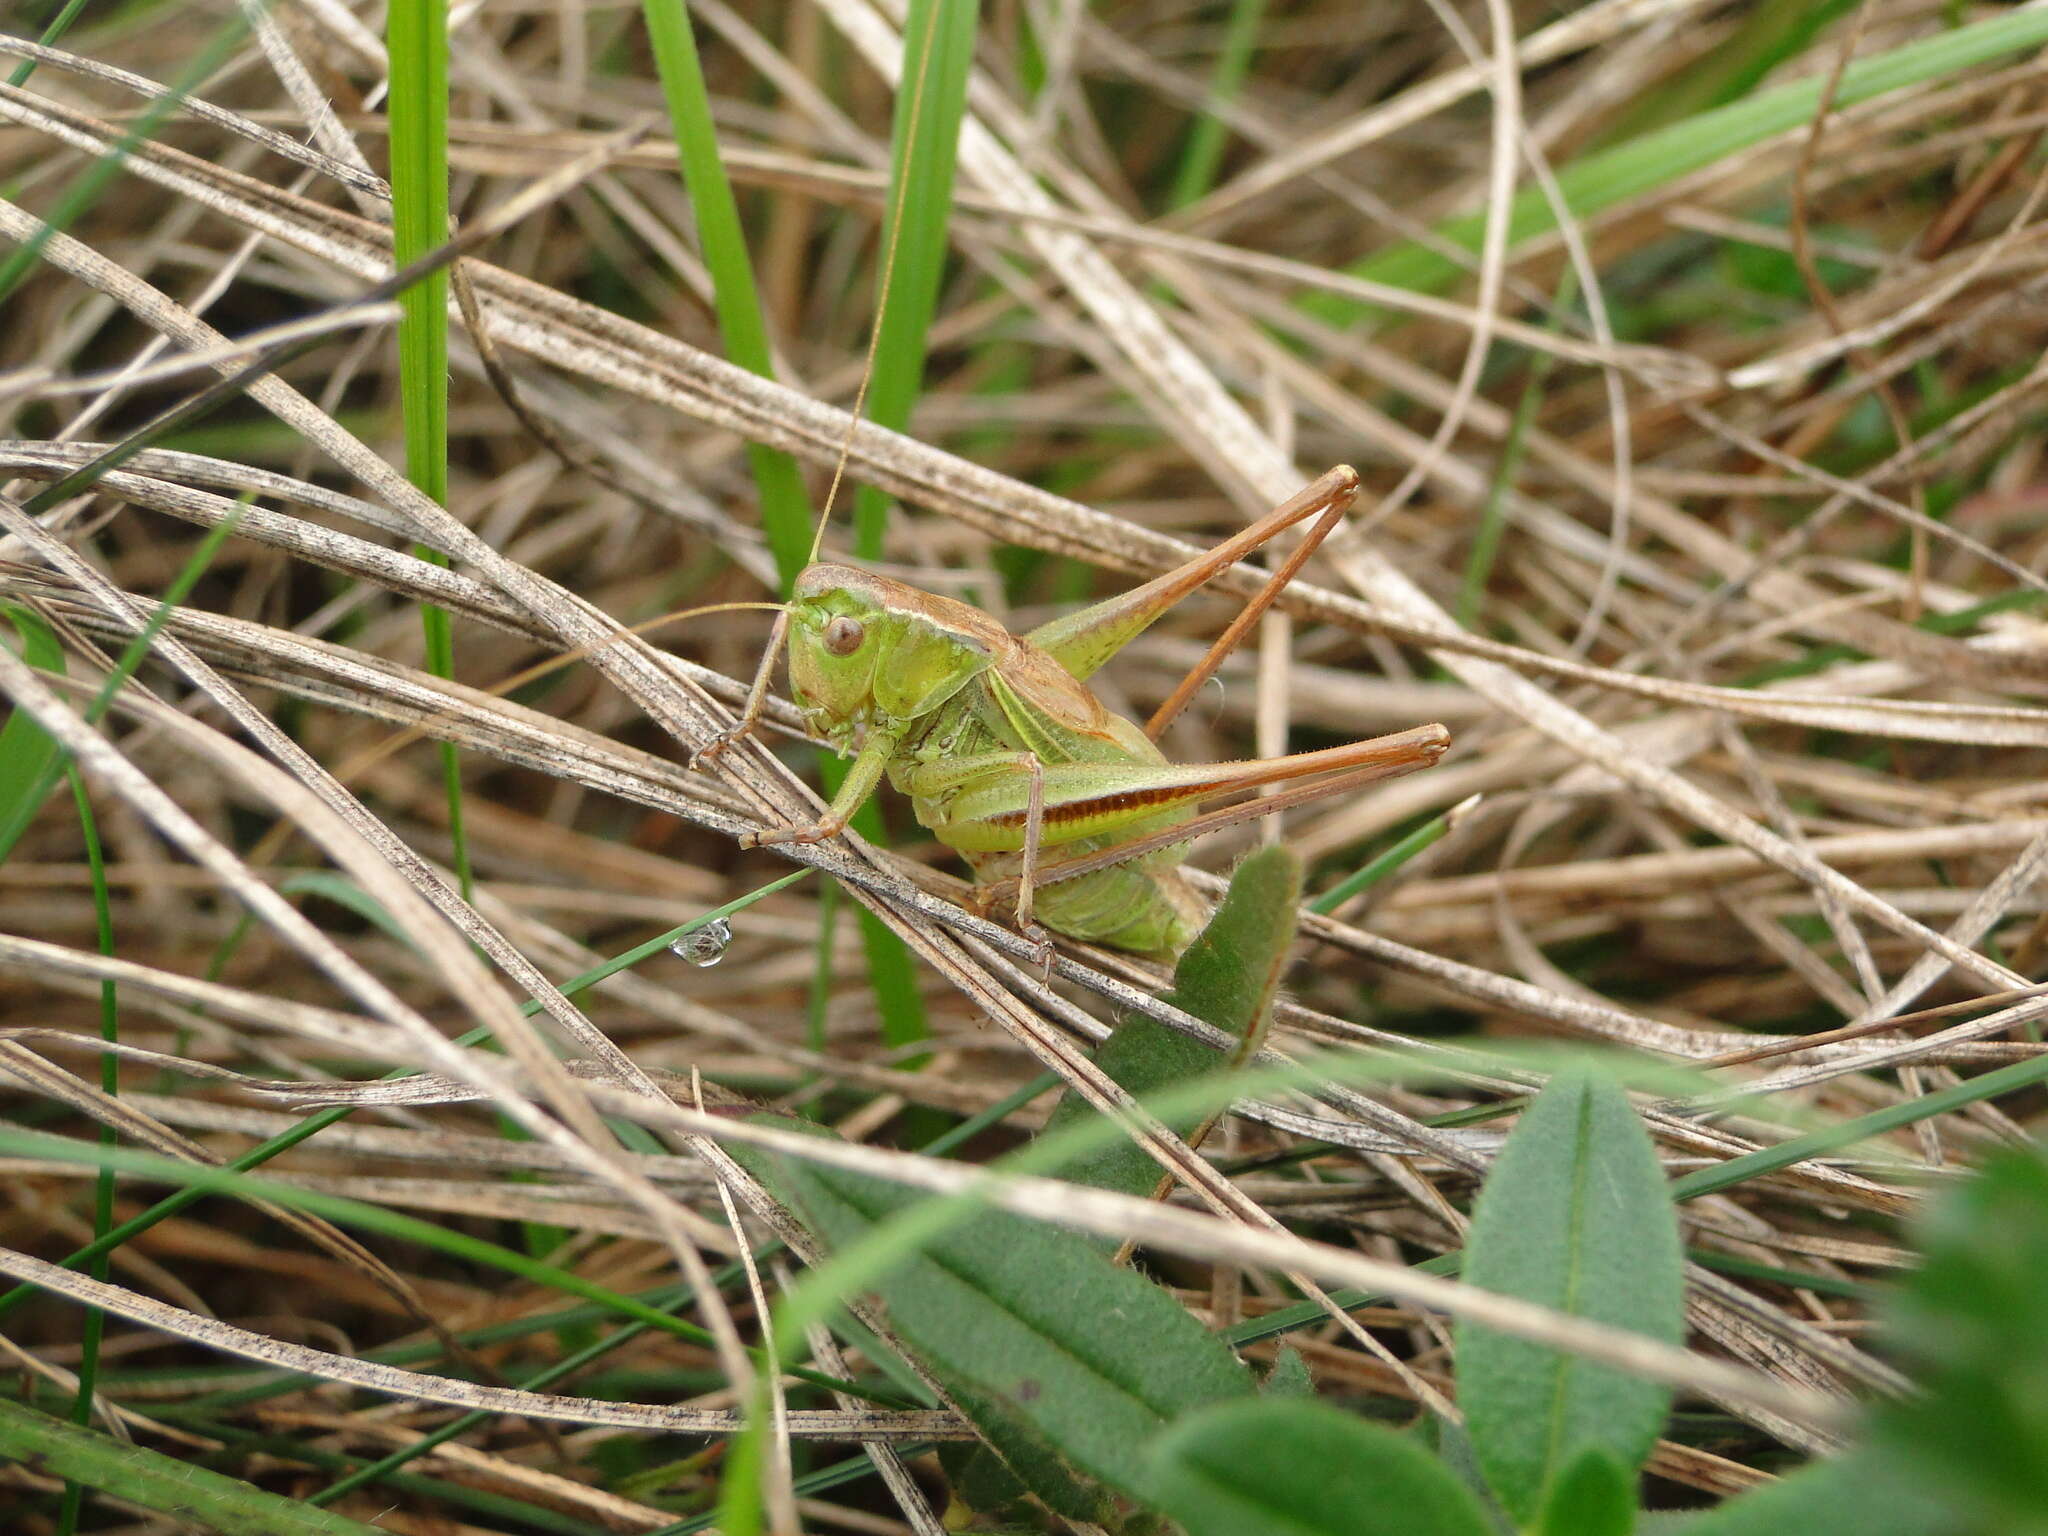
703 946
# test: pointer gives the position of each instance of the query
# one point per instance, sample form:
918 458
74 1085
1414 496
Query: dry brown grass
1754 761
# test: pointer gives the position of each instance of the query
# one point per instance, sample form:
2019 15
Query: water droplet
703 946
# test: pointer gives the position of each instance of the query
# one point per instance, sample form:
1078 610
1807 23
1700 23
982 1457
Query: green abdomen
1144 906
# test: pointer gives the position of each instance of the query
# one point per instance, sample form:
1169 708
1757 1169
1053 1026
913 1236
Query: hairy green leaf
1863 1493
1068 1364
1575 1215
1279 1467
1974 1319
1228 978
1593 1498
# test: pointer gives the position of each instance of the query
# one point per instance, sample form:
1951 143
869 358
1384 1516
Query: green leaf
980 1482
169 1485
345 893
1452 1447
1863 1493
1593 1498
27 751
1141 1055
1277 1467
1974 1318
1575 1215
1226 978
1030 1455
1067 1363
19 806
1229 974
1289 1376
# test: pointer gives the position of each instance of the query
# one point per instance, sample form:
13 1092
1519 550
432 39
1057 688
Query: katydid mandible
1010 759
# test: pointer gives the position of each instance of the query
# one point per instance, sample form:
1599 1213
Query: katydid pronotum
1009 758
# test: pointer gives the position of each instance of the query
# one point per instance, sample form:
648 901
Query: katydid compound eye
843 636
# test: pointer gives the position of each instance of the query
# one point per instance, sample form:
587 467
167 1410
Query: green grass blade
938 52
1507 472
59 25
931 99
94 1330
29 757
785 508
172 1485
1644 164
21 810
312 1125
417 35
416 32
566 1368
395 1225
1980 1089
1761 41
41 649
892 973
1376 870
85 191
1196 173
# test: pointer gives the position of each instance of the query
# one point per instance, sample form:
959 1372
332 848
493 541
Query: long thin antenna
757 695
888 287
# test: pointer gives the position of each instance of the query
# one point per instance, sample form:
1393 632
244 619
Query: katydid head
866 652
